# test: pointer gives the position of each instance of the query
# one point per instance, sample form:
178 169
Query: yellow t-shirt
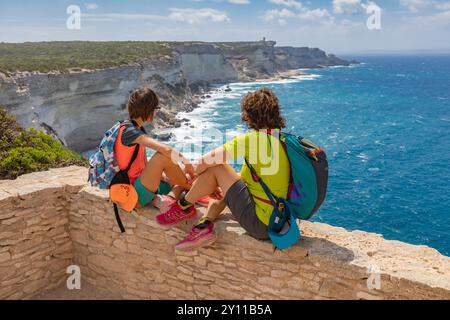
268 157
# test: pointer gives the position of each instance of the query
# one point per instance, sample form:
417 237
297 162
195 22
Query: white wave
357 65
292 79
336 67
307 77
198 132
364 157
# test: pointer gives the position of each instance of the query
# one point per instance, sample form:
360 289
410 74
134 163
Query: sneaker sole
195 245
202 204
185 221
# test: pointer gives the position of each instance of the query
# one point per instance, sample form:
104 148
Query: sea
385 126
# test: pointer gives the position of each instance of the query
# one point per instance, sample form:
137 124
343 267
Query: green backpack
307 189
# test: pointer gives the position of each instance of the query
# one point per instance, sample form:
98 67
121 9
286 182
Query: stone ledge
329 262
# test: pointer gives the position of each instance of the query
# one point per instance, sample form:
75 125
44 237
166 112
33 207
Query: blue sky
335 25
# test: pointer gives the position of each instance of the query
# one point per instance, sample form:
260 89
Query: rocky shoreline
201 98
78 107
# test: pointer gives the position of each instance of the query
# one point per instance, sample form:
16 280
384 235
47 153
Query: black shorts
242 206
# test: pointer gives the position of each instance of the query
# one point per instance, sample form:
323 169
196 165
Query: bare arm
166 151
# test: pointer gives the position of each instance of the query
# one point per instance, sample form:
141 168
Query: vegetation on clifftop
29 150
76 55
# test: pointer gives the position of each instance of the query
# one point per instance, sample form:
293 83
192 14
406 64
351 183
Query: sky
338 26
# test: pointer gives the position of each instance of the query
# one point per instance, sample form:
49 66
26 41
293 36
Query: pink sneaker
175 215
197 238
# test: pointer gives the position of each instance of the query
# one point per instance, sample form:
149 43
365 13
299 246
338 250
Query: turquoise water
385 125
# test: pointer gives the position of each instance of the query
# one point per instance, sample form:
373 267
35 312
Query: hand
189 179
217 194
189 169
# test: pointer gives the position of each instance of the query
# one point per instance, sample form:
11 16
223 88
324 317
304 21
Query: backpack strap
135 153
118 219
257 178
133 158
116 209
272 197
266 188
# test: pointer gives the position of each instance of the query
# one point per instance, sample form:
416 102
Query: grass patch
77 55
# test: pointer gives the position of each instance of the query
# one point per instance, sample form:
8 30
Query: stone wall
51 220
35 245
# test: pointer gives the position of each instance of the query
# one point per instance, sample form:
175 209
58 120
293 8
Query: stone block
5 256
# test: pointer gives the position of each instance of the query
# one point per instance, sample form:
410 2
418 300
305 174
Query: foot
198 237
175 215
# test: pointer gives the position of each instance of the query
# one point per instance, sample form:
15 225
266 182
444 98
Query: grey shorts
242 206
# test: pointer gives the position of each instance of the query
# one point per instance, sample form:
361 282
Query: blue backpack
307 190
103 164
104 169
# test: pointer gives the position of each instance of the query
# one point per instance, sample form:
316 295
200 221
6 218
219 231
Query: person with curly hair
242 192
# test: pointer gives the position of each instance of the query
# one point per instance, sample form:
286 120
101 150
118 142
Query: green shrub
25 151
9 130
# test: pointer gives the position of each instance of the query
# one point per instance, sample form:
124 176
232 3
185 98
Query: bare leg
153 172
222 176
176 192
214 210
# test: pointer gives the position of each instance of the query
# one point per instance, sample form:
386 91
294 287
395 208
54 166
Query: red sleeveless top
124 154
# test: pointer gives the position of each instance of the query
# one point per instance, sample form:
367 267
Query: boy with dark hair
167 168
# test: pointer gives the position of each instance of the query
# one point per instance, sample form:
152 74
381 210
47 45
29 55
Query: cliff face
79 107
297 58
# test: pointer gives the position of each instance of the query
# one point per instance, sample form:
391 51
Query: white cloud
189 16
437 20
316 14
276 14
229 1
120 16
279 15
415 5
282 15
300 12
197 16
346 6
289 3
91 6
239 1
442 5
